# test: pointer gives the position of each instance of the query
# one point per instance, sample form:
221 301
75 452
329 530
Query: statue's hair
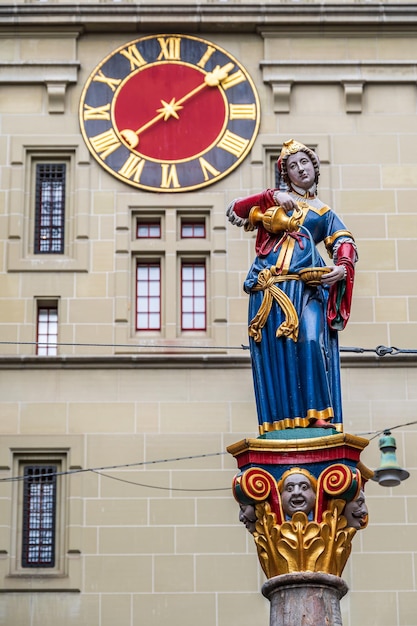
292 147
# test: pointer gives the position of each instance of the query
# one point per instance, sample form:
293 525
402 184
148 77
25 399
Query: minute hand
169 109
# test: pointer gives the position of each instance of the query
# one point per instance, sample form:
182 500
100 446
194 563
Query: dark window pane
50 208
39 512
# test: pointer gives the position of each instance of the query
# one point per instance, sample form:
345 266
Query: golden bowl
312 275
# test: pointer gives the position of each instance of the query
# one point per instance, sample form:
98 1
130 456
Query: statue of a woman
293 324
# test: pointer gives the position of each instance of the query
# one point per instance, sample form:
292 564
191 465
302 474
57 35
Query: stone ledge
180 361
56 77
29 72
351 75
230 17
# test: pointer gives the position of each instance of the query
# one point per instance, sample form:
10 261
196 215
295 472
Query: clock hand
169 109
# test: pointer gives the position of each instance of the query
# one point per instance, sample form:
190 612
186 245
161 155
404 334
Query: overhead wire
376 433
101 470
131 482
81 470
380 351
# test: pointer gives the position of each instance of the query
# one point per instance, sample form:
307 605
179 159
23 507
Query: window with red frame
193 229
49 208
47 330
148 229
193 295
148 295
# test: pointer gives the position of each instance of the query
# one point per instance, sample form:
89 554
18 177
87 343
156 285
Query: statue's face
247 516
297 495
356 512
300 170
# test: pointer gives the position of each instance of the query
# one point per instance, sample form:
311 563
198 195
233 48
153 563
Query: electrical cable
380 351
100 470
131 482
380 432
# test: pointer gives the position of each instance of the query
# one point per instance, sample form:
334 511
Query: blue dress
296 377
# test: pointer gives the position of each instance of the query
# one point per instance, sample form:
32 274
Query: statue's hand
283 199
337 273
233 218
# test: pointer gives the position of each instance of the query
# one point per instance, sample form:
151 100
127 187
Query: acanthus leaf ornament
306 499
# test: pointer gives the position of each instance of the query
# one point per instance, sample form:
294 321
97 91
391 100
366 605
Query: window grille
50 208
39 516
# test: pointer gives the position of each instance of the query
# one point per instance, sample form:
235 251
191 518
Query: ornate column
300 484
300 493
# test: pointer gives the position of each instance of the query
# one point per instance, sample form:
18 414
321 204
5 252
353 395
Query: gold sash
267 280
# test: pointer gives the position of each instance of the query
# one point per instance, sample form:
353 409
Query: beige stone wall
158 545
368 177
153 542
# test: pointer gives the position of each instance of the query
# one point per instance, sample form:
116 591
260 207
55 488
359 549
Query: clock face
169 113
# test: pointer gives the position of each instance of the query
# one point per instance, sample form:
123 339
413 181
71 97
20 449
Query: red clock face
169 113
189 132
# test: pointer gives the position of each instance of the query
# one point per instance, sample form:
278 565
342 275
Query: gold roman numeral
207 169
105 143
206 56
113 83
233 79
242 112
132 168
170 48
169 176
97 113
233 143
134 57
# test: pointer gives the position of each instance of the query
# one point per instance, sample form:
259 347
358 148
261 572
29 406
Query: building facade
124 368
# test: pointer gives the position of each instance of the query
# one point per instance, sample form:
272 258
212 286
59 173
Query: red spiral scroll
339 480
257 484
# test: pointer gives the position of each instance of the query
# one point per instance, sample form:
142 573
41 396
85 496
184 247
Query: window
177 263
47 329
148 295
43 549
193 295
40 511
49 208
195 229
39 516
148 229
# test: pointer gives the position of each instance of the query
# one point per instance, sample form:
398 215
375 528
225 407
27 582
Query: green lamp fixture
389 473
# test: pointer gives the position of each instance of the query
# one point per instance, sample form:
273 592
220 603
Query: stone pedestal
305 599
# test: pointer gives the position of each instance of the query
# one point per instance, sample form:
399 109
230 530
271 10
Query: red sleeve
264 200
340 297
